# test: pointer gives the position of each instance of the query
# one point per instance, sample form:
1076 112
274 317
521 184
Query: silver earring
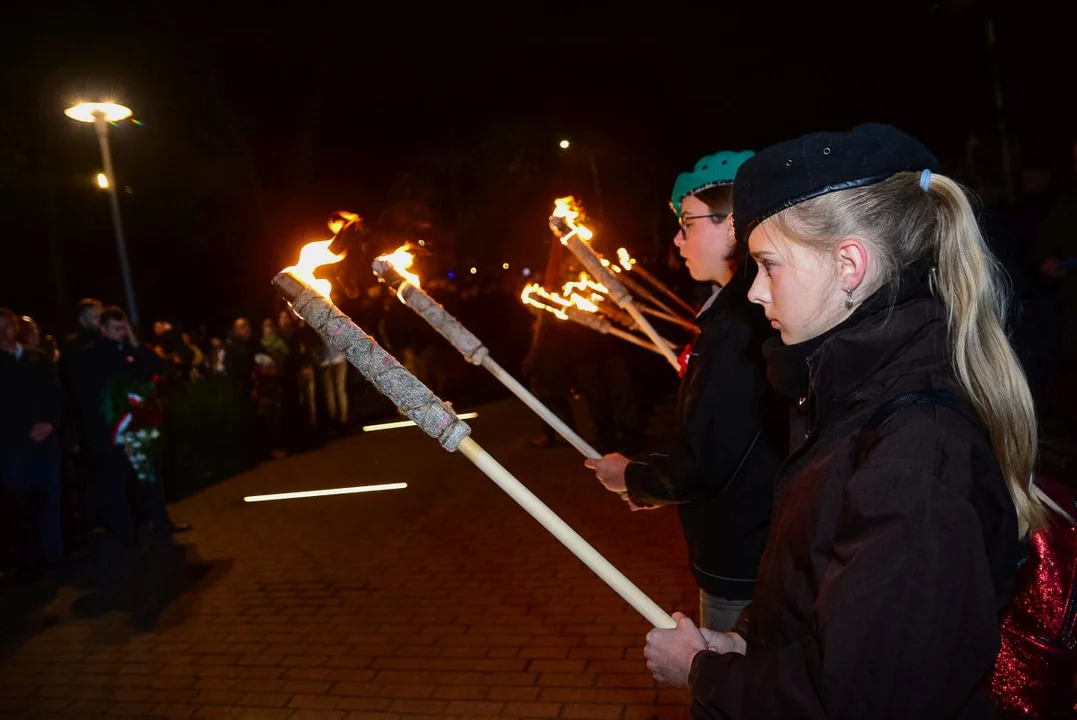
849 299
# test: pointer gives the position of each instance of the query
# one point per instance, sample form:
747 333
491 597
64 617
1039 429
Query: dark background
258 120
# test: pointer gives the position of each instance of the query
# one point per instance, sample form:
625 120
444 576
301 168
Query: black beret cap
793 171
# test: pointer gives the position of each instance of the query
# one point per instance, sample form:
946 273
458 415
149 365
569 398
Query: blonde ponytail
972 287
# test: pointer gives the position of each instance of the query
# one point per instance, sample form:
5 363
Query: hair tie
925 180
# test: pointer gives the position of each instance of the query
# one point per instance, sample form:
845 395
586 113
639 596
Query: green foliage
202 435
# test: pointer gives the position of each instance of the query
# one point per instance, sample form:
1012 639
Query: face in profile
707 242
91 318
797 286
115 330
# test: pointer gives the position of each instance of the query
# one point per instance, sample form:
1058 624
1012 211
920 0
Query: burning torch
579 311
572 235
393 270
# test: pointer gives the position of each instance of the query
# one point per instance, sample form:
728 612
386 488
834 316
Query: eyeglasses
686 219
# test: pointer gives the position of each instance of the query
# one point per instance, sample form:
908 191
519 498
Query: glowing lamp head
89 112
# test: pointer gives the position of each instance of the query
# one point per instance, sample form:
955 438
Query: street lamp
564 144
101 114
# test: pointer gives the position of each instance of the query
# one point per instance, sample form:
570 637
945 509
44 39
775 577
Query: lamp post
101 114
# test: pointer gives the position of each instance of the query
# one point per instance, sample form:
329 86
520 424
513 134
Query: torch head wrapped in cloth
566 222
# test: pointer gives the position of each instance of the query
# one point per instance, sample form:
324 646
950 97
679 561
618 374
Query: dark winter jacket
720 468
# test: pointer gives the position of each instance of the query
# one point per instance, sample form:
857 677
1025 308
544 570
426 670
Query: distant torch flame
592 293
609 266
567 209
311 257
401 259
627 261
537 296
582 303
584 283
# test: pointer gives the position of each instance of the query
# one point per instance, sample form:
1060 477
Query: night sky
257 122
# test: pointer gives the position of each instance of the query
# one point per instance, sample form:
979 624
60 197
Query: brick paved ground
444 599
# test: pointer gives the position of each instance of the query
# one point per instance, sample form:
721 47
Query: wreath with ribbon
132 409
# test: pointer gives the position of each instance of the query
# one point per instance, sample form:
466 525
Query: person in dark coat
79 504
720 468
239 367
894 545
116 352
75 352
30 448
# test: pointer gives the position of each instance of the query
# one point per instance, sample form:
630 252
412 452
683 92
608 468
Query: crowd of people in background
64 477
67 484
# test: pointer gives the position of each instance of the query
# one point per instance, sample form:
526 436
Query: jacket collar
862 361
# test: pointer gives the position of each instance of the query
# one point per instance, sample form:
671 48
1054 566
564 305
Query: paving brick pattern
441 600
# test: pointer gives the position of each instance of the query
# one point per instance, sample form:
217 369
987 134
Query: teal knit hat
717 169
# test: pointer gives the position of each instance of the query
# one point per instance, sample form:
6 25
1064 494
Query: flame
627 261
342 219
311 257
582 303
589 303
537 296
609 266
401 259
567 209
583 283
